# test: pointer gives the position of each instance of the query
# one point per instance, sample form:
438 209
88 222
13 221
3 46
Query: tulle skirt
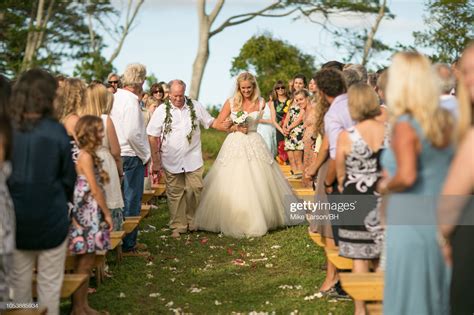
245 194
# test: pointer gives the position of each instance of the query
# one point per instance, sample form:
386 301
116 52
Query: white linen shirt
130 125
177 154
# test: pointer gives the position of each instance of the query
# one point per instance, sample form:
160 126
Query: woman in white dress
245 194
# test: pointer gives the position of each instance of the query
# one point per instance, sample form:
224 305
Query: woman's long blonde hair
412 89
98 101
70 98
238 98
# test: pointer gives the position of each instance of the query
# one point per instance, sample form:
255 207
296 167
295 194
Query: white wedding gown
245 193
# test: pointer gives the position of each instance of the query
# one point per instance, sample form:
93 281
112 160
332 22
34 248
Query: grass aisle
207 273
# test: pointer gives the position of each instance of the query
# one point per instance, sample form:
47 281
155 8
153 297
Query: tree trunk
200 61
370 37
32 38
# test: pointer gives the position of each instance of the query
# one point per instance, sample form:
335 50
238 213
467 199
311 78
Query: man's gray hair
113 74
351 76
134 75
447 81
361 70
177 81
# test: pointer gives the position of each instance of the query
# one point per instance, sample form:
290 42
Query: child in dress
293 129
91 219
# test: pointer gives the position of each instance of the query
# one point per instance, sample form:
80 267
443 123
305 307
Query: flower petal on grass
154 294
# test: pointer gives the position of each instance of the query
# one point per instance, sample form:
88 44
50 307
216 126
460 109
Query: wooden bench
374 308
296 183
130 223
147 195
340 262
159 189
116 238
318 239
29 311
99 265
363 286
71 283
145 211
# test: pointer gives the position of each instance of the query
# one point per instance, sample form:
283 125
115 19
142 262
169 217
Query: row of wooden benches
72 281
360 286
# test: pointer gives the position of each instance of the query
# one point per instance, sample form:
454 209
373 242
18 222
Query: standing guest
174 128
358 172
71 97
110 88
7 214
157 92
312 87
293 130
99 103
332 86
130 127
114 80
447 83
150 108
299 83
91 224
41 184
266 127
166 90
416 277
281 103
309 136
456 230
381 90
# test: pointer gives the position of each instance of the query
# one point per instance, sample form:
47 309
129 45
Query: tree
450 26
272 60
279 8
46 33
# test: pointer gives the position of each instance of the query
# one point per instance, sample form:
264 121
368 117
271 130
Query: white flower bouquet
240 118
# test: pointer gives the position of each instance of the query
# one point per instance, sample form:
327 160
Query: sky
165 39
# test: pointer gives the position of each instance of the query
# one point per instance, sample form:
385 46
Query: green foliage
150 80
93 66
66 34
214 110
450 26
272 59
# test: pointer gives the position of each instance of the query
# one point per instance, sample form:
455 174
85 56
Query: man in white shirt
175 141
135 151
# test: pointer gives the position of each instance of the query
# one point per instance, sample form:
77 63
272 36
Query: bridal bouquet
241 118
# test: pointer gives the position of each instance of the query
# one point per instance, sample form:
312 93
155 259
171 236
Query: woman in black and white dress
358 171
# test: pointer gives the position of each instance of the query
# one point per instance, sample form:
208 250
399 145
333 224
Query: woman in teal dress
416 276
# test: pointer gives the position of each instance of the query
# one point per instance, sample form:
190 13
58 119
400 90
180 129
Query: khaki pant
50 276
183 191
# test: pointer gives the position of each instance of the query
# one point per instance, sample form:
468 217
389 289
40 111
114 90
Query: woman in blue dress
416 276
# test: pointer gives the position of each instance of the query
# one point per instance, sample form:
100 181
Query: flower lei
169 119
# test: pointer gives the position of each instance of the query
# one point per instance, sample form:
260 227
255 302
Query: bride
245 193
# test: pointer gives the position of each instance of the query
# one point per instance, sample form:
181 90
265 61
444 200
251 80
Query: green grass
198 273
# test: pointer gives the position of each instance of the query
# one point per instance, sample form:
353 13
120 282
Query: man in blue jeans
135 151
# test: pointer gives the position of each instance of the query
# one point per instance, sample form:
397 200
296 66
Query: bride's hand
243 129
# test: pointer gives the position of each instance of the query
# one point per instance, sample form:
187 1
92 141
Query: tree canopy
450 26
272 59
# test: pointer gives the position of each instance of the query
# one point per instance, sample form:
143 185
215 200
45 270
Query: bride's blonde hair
238 98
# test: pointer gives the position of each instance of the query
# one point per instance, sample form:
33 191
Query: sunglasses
279 88
161 92
113 82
